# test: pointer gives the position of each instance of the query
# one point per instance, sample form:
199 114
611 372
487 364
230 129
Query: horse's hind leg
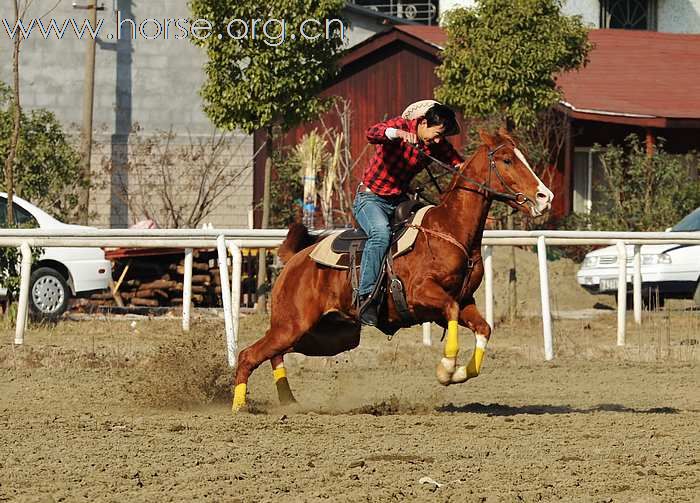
284 392
269 346
470 317
281 337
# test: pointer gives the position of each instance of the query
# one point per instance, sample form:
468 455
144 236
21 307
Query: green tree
267 64
47 169
274 76
287 191
502 57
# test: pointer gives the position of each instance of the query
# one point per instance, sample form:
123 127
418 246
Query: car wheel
48 294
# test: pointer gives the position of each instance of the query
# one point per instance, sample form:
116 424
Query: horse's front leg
470 317
433 296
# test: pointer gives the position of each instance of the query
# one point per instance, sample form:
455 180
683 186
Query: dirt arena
108 410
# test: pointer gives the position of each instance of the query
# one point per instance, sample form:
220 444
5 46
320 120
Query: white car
60 272
672 270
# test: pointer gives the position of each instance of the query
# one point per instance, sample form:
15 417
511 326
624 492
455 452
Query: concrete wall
361 28
589 10
674 16
148 84
679 16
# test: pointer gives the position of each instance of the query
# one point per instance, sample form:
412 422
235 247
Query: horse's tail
297 239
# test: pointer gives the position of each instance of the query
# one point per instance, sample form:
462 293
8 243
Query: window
628 14
22 217
588 178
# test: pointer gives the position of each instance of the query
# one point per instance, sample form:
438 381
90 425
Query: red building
636 81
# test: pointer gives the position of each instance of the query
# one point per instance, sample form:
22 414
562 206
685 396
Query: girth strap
354 272
397 291
471 262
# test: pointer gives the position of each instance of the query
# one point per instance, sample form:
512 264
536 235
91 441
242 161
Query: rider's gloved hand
401 134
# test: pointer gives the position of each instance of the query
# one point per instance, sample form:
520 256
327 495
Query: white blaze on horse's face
543 196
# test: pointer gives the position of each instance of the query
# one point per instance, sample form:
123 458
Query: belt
390 199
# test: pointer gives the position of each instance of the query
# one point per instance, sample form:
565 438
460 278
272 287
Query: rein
442 235
517 197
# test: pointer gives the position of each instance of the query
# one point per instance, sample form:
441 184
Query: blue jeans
373 212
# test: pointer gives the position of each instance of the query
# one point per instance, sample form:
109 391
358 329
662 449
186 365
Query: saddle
356 238
344 251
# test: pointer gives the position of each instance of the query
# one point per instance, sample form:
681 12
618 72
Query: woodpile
158 281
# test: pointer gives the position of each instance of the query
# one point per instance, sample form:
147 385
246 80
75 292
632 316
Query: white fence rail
232 240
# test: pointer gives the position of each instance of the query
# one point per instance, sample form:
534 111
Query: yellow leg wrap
452 342
279 373
474 365
239 396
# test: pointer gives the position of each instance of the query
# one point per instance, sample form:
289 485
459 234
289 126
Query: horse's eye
507 162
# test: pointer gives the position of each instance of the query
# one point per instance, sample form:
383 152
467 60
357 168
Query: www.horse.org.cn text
271 31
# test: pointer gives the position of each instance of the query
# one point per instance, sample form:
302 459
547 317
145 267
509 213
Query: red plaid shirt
396 162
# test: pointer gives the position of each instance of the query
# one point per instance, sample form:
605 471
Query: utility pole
88 105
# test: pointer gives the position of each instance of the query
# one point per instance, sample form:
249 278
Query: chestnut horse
312 305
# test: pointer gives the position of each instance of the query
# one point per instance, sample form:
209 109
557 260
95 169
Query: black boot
368 311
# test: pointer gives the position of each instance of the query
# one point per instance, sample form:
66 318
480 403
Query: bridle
511 195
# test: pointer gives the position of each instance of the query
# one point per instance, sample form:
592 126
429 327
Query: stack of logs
158 281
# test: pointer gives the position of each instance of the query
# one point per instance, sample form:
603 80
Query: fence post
187 291
225 292
427 336
488 276
236 263
637 285
544 296
621 291
23 306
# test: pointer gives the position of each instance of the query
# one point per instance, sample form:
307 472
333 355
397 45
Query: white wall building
672 16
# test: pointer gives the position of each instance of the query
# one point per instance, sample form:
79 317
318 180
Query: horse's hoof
284 392
239 391
445 370
460 375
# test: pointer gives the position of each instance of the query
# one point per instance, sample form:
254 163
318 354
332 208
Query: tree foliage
253 82
639 192
286 190
502 57
47 169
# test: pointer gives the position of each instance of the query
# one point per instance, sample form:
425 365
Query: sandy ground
103 411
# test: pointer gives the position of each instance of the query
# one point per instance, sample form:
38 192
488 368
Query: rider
387 177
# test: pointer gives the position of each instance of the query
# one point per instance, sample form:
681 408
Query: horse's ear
489 140
503 133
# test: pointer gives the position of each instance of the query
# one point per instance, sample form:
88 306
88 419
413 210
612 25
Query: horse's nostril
542 195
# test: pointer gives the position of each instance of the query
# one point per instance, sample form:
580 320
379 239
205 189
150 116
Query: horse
312 307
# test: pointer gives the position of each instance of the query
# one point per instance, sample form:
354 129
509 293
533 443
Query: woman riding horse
312 308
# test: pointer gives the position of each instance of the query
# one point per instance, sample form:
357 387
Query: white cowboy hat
420 108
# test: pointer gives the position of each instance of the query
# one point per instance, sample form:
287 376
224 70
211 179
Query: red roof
636 76
430 34
640 73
